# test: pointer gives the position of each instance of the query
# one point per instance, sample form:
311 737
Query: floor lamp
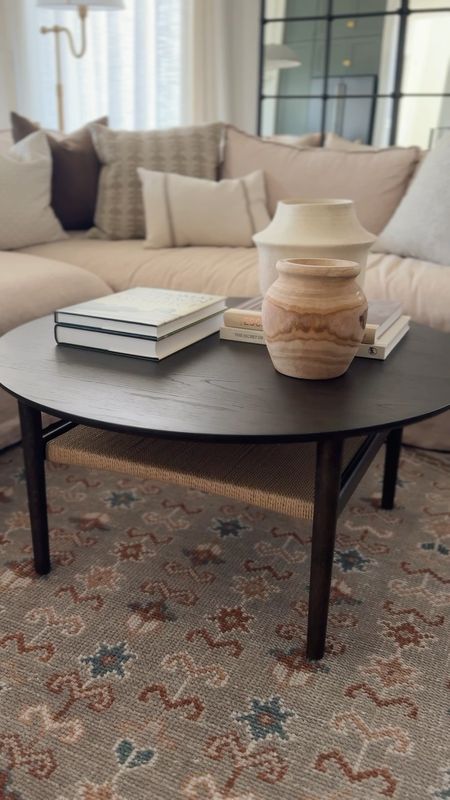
82 8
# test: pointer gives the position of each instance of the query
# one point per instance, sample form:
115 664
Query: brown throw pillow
75 173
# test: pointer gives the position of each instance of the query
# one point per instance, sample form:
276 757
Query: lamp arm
82 12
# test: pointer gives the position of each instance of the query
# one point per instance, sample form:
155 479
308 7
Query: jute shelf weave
279 477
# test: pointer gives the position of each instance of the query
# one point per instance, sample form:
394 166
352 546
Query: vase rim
316 201
319 267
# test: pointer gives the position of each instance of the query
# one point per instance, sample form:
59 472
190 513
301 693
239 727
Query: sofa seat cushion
421 287
230 271
125 263
31 287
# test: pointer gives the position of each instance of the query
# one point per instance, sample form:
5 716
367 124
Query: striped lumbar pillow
182 211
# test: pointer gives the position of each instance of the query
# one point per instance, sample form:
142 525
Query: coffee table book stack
146 323
385 327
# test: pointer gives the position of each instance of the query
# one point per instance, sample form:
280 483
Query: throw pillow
26 216
305 140
75 174
336 142
182 211
375 180
420 227
193 151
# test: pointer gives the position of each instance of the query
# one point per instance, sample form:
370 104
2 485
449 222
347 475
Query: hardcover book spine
242 335
384 346
242 318
370 332
371 351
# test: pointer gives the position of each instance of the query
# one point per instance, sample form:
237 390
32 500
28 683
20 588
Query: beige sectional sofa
39 279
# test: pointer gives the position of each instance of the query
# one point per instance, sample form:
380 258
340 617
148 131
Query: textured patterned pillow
193 151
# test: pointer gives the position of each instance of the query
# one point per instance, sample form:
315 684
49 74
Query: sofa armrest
31 287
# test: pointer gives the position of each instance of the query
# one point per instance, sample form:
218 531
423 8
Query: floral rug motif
163 657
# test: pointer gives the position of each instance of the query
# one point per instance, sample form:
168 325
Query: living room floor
163 655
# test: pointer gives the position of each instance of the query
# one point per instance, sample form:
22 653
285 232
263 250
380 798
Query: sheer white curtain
157 63
206 61
220 46
131 71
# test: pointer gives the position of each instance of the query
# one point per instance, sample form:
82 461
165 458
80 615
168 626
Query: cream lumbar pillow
26 216
420 227
182 211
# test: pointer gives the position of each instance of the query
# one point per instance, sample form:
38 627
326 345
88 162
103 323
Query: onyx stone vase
313 317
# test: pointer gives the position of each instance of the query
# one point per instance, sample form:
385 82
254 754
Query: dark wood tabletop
225 390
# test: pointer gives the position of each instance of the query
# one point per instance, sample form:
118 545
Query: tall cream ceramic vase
313 317
314 228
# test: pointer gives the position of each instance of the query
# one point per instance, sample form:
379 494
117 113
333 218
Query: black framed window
375 71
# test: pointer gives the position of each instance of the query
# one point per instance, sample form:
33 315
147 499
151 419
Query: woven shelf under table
278 477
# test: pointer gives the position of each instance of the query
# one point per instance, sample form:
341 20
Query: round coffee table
224 392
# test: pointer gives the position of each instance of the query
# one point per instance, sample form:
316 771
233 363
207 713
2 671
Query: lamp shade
280 56
100 5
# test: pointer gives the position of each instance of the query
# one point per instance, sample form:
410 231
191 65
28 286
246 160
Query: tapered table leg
392 457
326 497
34 458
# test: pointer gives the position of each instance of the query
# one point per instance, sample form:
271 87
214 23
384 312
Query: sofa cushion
375 180
422 288
230 271
217 270
193 151
336 142
420 226
305 140
113 262
31 287
75 174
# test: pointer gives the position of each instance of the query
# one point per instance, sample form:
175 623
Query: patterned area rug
163 656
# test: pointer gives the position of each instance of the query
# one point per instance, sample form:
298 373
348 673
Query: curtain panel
131 69
155 64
